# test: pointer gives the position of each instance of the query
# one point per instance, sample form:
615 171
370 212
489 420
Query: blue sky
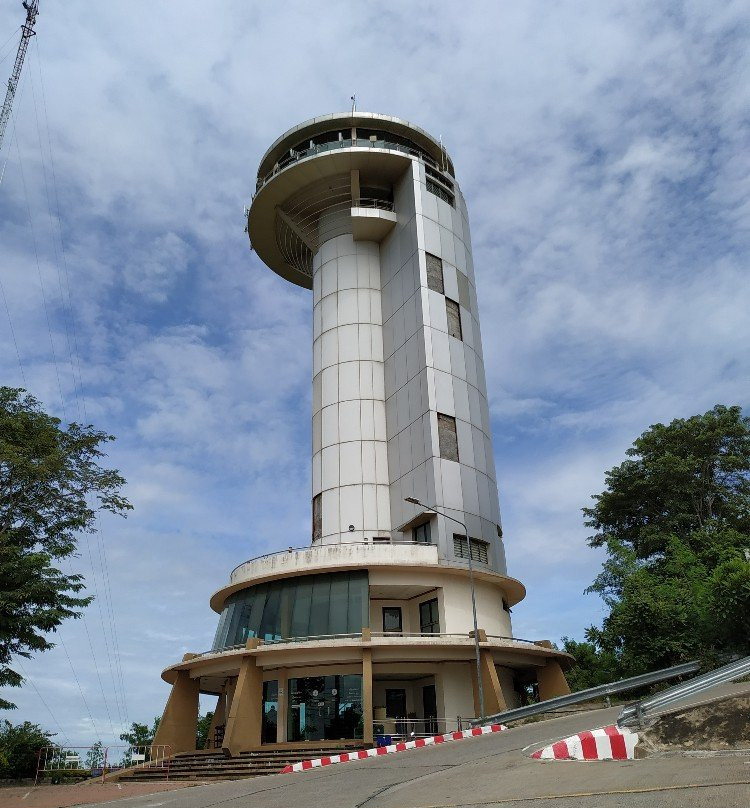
603 152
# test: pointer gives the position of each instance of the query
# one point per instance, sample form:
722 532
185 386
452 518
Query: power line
81 405
28 679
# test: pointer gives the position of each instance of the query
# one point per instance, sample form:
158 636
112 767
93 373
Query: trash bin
383 740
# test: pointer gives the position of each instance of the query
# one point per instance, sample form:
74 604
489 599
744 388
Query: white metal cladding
350 466
427 371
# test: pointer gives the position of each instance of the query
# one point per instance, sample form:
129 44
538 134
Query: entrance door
395 707
429 706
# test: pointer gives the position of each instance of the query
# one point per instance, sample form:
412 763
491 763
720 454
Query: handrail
334 544
294 156
621 686
372 202
634 714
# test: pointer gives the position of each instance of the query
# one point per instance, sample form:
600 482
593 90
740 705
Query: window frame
442 445
480 550
439 264
391 610
454 315
426 530
434 624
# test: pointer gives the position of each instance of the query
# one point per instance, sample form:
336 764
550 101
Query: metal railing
84 762
406 729
372 202
295 155
587 695
635 714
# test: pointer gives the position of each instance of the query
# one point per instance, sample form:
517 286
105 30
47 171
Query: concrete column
180 718
551 681
494 701
368 713
243 730
219 718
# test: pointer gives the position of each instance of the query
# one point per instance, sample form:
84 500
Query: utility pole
27 31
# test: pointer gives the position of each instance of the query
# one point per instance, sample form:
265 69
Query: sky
603 151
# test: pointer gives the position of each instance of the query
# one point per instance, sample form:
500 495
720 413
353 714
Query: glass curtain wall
306 606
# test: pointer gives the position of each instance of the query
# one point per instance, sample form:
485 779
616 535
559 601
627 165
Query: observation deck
331 175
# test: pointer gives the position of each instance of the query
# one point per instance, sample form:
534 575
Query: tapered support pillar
220 717
494 701
243 729
551 681
368 714
179 722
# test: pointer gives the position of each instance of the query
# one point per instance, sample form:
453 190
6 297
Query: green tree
674 520
141 734
95 756
204 724
19 744
51 487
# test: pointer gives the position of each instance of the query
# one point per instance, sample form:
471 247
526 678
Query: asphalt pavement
485 771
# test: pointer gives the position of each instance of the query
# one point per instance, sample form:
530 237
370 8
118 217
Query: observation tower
371 629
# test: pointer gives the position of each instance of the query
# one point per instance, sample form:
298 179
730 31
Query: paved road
490 770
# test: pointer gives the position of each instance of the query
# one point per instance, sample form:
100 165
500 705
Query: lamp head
413 500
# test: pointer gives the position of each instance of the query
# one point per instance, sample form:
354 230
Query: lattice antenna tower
27 31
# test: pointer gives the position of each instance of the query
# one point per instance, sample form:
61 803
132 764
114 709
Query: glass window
270 711
310 605
392 619
453 312
434 273
429 620
325 708
479 549
447 437
317 517
421 533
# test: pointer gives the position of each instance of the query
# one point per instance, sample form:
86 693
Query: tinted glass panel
325 708
270 711
429 622
391 618
447 437
311 605
434 273
453 313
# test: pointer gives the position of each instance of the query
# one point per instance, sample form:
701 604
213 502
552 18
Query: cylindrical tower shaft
350 462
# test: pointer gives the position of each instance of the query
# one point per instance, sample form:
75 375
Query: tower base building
370 630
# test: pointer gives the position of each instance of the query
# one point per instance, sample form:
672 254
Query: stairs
213 765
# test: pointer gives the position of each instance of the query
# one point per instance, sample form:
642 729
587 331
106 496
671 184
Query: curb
605 743
363 754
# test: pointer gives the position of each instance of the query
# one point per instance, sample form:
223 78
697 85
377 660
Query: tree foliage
674 520
204 724
19 744
51 488
141 734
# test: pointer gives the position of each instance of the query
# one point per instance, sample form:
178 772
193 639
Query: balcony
322 557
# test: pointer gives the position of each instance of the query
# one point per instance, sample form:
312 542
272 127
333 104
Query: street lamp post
480 687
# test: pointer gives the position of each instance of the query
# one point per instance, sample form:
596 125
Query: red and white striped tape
363 754
606 743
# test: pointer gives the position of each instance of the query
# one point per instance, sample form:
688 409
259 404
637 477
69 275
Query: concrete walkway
79 794
487 771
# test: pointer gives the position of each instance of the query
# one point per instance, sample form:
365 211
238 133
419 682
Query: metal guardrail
587 695
635 714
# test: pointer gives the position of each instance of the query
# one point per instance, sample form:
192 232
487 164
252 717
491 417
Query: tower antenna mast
27 31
